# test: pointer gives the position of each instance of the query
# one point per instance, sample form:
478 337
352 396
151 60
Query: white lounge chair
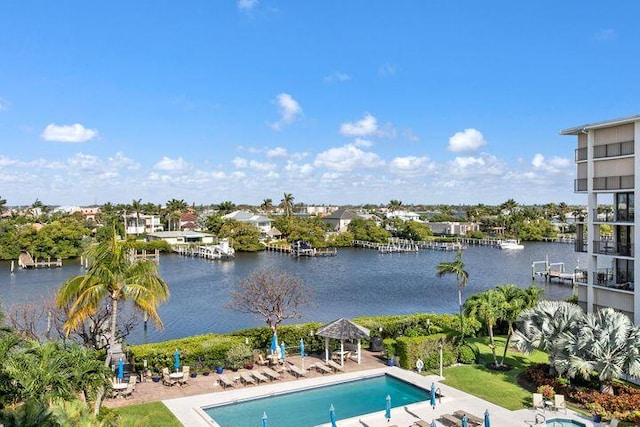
297 372
322 368
559 403
538 401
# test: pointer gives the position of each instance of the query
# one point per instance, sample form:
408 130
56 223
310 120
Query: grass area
496 387
147 414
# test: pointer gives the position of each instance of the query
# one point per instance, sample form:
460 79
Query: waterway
356 282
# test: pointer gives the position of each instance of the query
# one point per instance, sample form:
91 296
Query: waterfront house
606 164
182 237
452 228
403 215
261 222
340 219
188 222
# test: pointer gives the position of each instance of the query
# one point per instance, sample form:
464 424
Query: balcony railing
621 215
581 154
609 247
580 275
580 184
608 280
613 182
580 245
613 150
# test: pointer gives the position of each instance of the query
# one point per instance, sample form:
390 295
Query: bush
238 355
468 354
389 345
420 324
410 349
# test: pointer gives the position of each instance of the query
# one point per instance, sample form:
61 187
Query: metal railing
613 182
581 154
613 150
580 184
580 245
609 247
621 215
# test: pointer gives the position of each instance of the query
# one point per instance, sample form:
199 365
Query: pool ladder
538 419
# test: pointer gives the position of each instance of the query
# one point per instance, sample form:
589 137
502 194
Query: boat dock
403 245
220 251
154 256
25 260
301 249
550 271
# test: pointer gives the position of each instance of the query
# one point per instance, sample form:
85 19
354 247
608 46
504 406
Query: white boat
511 244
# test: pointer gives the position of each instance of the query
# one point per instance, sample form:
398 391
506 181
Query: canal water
356 282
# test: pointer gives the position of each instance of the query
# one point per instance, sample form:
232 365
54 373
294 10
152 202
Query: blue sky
333 101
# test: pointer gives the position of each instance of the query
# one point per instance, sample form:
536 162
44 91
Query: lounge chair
132 380
421 423
224 381
559 403
471 418
297 372
273 375
246 378
185 376
259 377
335 366
322 368
450 419
260 361
538 401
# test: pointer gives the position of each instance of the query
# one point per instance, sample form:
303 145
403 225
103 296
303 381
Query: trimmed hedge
410 349
419 324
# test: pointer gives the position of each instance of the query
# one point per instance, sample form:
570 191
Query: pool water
310 407
560 422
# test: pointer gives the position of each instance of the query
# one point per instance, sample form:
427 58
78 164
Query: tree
3 205
115 277
543 326
136 206
488 307
456 267
395 205
287 204
173 211
226 207
271 295
244 237
267 205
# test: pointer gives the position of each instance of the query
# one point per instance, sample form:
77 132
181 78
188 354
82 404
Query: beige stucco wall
614 134
613 167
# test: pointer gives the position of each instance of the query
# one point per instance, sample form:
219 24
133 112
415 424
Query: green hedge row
410 349
419 324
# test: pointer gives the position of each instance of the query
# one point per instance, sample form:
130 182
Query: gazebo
342 329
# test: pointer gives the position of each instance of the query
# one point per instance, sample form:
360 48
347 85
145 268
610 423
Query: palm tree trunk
461 319
506 344
114 319
493 346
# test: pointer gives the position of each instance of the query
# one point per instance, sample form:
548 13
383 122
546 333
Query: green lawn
147 414
496 387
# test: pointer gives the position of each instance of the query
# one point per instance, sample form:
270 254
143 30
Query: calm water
311 407
356 282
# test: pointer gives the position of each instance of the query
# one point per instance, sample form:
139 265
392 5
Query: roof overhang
604 124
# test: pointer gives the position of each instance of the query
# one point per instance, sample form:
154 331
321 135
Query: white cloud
168 164
359 142
277 152
387 69
289 108
4 104
6 161
247 5
347 158
464 162
467 140
337 77
408 134
241 163
293 168
538 160
411 164
367 126
555 164
68 133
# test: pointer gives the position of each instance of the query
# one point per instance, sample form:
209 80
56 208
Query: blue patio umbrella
301 347
332 415
282 350
264 419
387 413
432 396
274 343
120 369
465 421
433 423
176 360
487 421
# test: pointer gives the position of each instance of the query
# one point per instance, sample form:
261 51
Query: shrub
238 355
546 391
419 324
468 354
389 345
410 349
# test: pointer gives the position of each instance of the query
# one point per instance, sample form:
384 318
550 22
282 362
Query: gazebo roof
343 329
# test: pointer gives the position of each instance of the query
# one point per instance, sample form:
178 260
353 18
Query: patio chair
133 380
273 375
259 377
261 360
335 366
224 381
538 401
559 403
166 380
451 420
471 418
127 392
297 372
322 368
246 378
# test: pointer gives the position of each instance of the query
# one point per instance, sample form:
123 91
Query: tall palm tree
395 205
456 267
115 277
543 326
489 307
226 207
136 206
173 210
287 204
516 301
267 205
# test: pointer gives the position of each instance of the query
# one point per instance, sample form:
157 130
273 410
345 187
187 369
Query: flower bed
624 404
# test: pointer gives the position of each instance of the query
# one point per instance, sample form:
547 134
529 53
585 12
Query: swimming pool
561 422
310 407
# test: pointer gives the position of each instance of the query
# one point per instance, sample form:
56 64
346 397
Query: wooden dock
211 252
143 254
550 271
25 260
301 249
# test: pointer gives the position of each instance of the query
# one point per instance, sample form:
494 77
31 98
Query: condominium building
608 172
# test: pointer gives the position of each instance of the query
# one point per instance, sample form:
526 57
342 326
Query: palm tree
267 205
3 207
136 205
287 204
516 301
489 307
115 277
395 205
456 267
173 211
543 326
226 207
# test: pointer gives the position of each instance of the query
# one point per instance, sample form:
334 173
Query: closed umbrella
302 351
387 413
264 419
487 421
176 360
332 415
120 369
465 421
282 350
432 397
433 423
274 343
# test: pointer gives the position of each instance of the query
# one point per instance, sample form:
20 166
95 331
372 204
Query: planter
597 418
206 374
193 375
390 362
219 370
155 379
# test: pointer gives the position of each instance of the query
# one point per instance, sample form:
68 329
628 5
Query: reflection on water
357 282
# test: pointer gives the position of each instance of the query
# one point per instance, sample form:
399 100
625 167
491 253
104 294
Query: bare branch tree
271 295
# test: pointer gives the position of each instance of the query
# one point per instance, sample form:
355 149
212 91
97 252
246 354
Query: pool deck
187 409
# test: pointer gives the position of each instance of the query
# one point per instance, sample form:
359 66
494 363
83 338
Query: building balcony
609 247
613 150
581 276
621 215
606 279
580 185
624 182
581 154
580 245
